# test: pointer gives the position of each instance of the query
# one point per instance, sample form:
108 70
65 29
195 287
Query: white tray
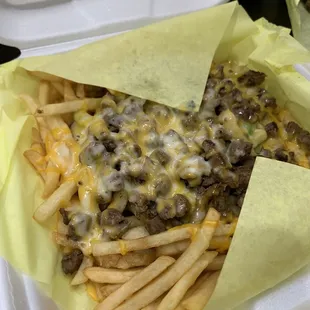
80 22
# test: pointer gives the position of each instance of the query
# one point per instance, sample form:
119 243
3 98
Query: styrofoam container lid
61 25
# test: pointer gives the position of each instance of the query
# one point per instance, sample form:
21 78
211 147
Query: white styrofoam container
40 27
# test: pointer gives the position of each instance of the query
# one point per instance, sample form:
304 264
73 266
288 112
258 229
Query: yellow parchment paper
271 241
300 20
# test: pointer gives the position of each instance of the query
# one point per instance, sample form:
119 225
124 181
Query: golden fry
79 277
136 283
178 291
202 295
52 176
164 282
136 233
217 263
61 195
69 94
69 106
44 89
37 161
103 275
80 91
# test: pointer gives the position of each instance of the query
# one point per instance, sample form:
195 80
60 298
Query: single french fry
173 249
79 277
35 135
124 246
69 94
136 233
220 243
68 107
62 194
44 93
59 86
46 76
80 91
178 291
104 275
37 161
203 293
98 292
52 176
217 263
136 283
107 289
130 260
164 282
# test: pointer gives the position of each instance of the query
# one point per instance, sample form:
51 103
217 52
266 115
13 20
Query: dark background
274 11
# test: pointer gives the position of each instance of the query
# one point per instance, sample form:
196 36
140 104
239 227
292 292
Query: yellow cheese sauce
173 165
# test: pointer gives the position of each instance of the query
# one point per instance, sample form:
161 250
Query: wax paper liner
272 237
300 20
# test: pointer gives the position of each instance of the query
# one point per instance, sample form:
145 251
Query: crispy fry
44 93
69 94
130 260
69 106
163 283
201 279
103 275
136 283
107 289
217 263
220 244
62 194
118 247
46 76
136 233
37 161
178 291
79 277
80 91
203 293
52 176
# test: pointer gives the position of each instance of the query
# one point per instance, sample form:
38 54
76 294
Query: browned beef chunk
182 205
252 78
271 129
238 150
111 217
155 225
71 262
281 155
292 128
303 138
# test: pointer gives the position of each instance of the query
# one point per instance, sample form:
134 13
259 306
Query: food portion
148 194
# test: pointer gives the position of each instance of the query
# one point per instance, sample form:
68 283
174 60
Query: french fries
61 195
114 276
136 282
130 260
176 294
79 277
162 284
203 293
68 107
137 271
